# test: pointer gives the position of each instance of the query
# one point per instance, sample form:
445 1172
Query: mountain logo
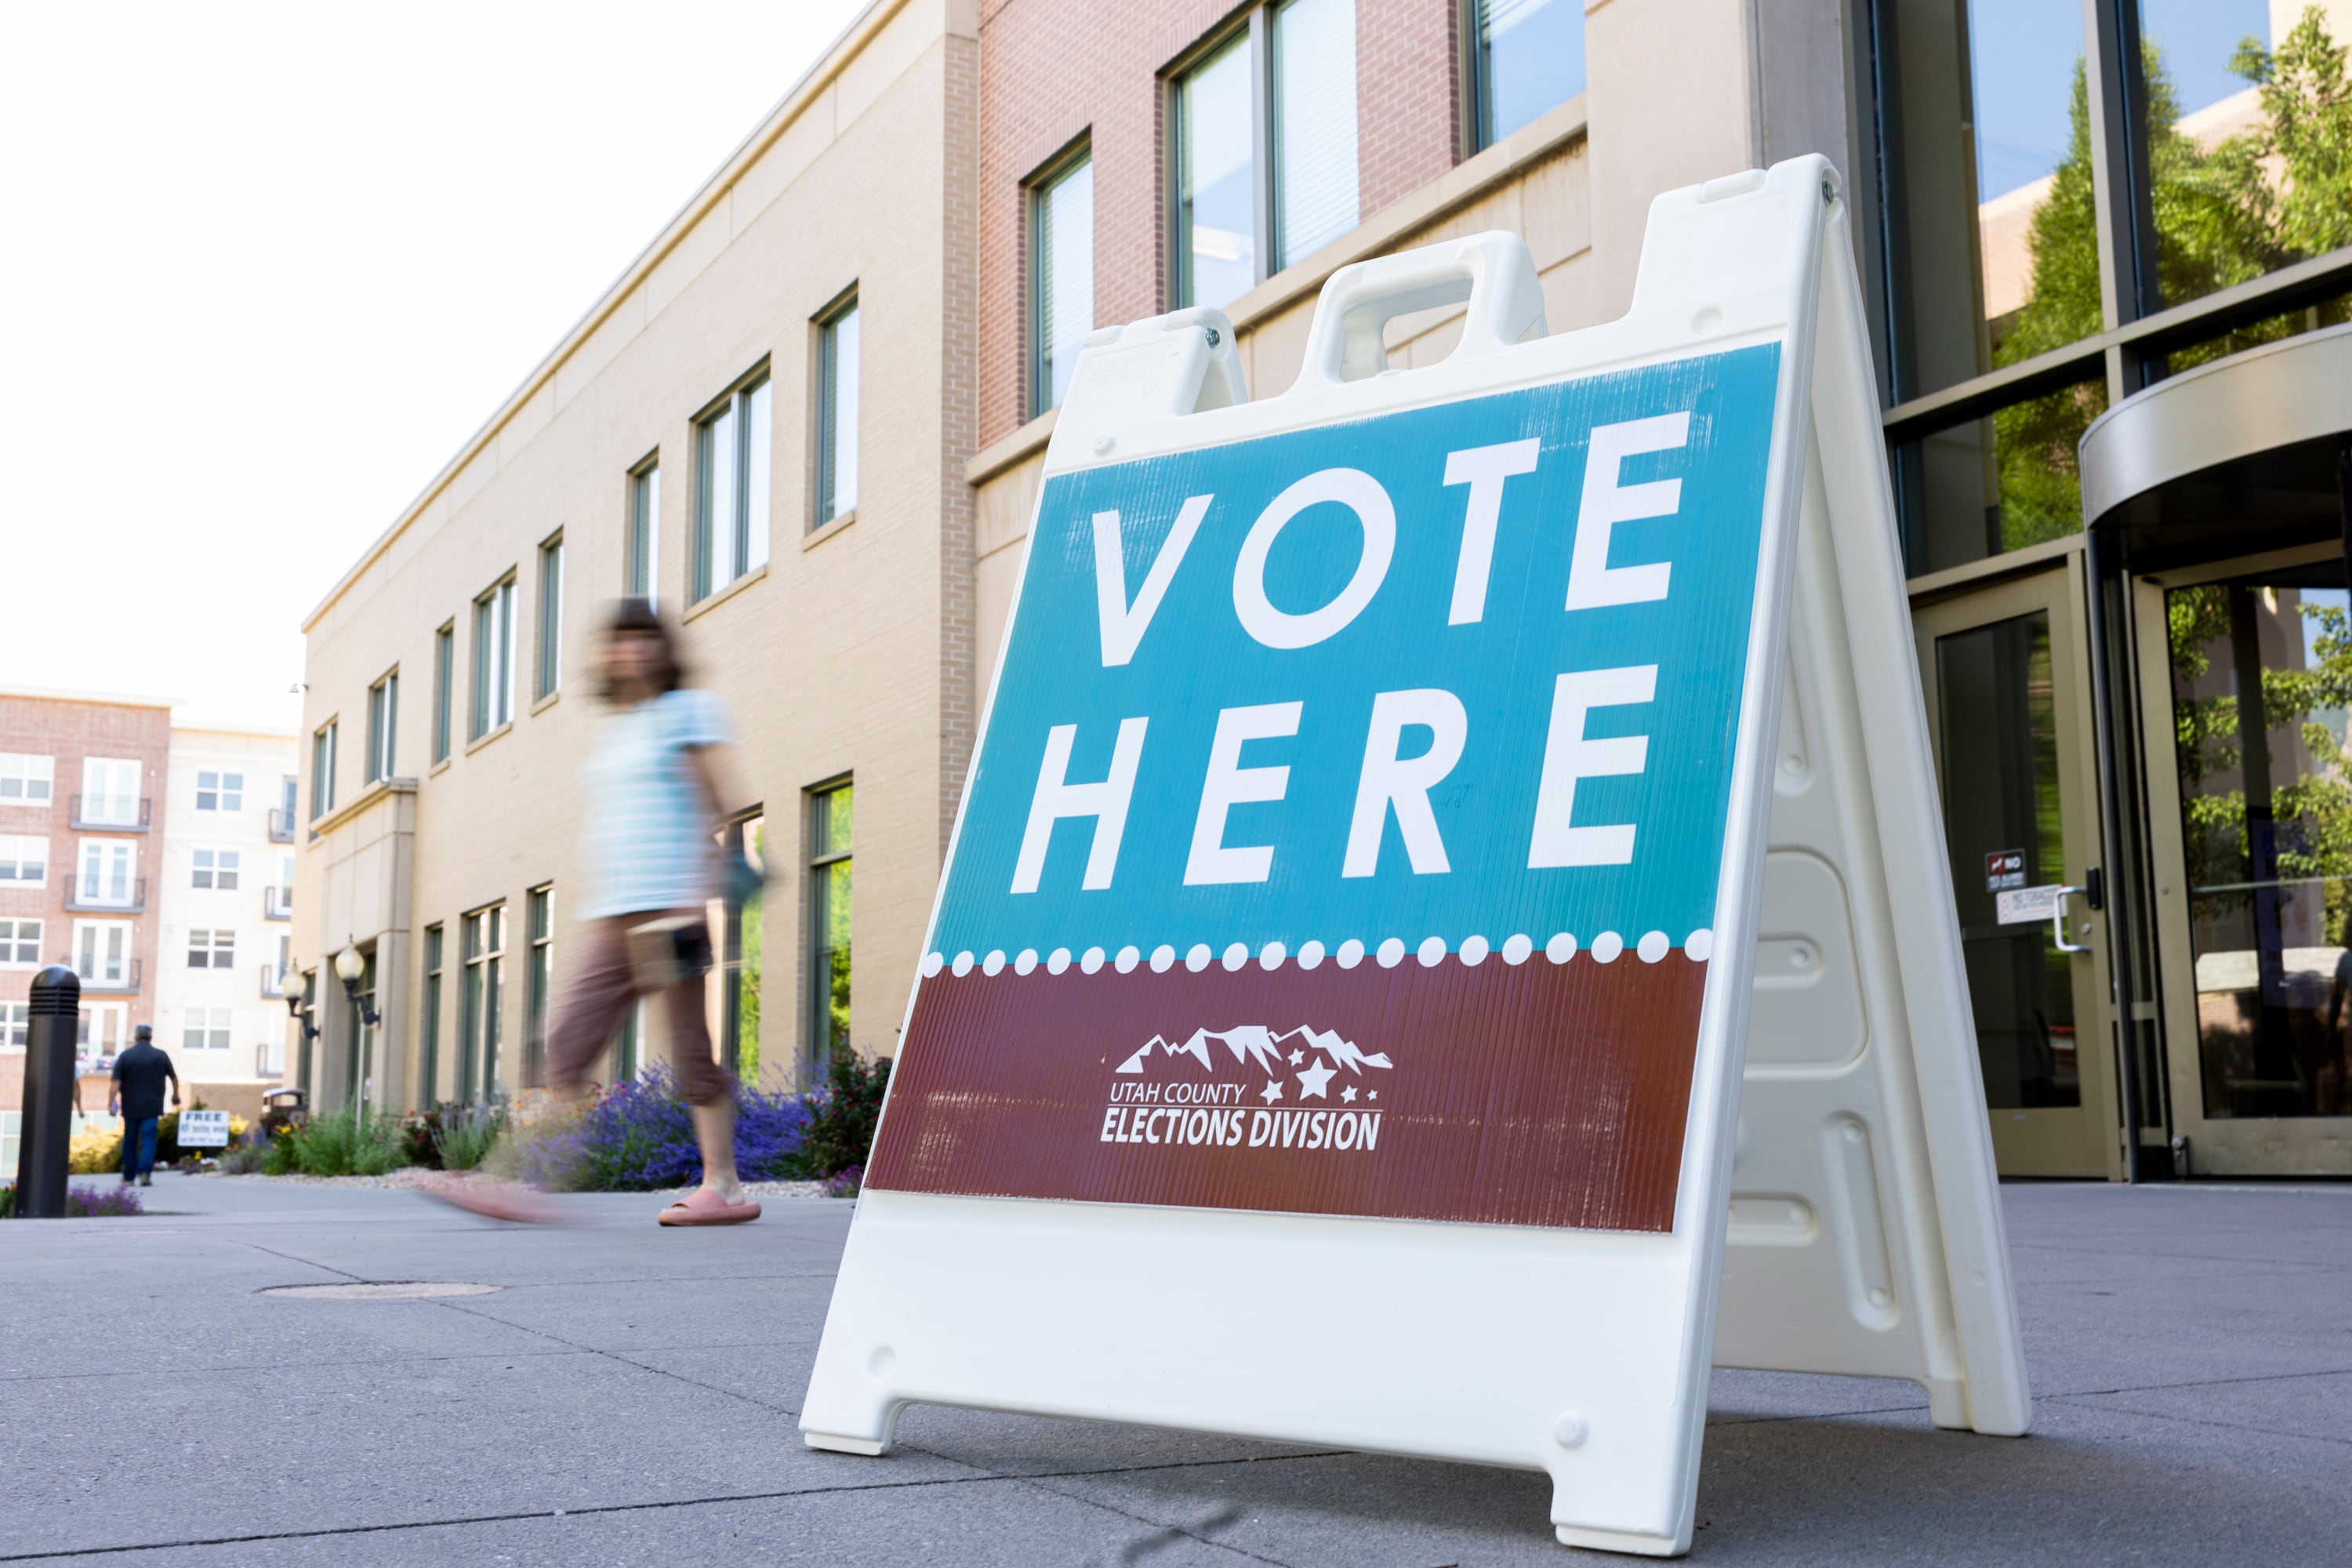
1258 1044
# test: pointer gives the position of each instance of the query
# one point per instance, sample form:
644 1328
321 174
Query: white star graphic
1312 1080
1348 1095
1372 1094
1272 1091
1296 1057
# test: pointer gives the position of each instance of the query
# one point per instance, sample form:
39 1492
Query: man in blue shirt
138 1098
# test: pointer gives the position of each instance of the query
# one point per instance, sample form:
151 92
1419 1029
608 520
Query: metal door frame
2032 1142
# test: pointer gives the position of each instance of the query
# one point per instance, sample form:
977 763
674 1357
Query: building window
428 1025
732 470
212 948
627 1049
383 722
214 868
741 955
643 573
1286 81
207 1029
550 619
494 651
15 1025
485 936
24 862
109 868
445 663
322 771
838 332
830 813
20 944
1062 276
220 791
101 1032
282 826
538 982
109 792
103 952
1526 57
25 779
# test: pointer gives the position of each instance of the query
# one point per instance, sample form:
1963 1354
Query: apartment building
224 875
83 807
761 427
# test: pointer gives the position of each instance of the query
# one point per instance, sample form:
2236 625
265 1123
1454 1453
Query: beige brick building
764 426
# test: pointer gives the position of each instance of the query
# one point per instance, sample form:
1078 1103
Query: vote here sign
1346 830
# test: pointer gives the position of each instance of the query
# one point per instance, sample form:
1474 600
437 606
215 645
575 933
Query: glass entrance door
2250 799
2008 707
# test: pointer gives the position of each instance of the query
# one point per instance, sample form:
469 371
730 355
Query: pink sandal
703 1207
495 1200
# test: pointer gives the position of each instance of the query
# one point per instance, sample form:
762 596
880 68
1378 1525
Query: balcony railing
82 898
117 818
281 826
272 988
277 903
123 986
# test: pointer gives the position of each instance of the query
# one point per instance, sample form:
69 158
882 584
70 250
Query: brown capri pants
602 989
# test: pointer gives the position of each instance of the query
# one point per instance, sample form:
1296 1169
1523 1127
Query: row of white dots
1516 950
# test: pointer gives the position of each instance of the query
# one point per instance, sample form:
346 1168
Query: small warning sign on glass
2004 870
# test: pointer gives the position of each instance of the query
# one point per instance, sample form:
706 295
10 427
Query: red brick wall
69 730
1052 71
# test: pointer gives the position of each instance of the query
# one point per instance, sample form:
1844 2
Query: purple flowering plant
638 1136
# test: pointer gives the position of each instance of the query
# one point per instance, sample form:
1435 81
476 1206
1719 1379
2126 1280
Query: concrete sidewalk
629 1396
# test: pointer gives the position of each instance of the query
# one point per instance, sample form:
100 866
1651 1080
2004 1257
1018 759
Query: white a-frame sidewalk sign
1451 890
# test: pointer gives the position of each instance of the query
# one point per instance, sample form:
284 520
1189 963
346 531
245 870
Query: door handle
2058 922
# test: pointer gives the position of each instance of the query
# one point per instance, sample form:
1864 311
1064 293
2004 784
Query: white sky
266 266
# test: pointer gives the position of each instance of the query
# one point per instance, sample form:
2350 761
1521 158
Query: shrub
463 1134
244 1159
94 1151
847 1184
841 1121
344 1144
421 1138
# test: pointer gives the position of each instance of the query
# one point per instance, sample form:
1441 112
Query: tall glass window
445 663
322 769
1284 81
494 657
484 933
830 818
428 1025
644 532
550 618
735 979
1216 178
383 717
539 988
1314 122
733 471
836 413
1526 57
1062 268
2246 110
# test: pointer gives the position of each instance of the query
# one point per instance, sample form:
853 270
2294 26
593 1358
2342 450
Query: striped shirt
648 838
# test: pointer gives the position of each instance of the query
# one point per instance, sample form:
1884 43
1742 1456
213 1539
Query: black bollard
47 1129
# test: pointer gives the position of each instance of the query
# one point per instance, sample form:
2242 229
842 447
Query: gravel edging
410 1178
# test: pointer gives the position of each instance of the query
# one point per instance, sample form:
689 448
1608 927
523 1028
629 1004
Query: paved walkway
629 1397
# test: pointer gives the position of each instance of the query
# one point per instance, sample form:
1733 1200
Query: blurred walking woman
651 863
